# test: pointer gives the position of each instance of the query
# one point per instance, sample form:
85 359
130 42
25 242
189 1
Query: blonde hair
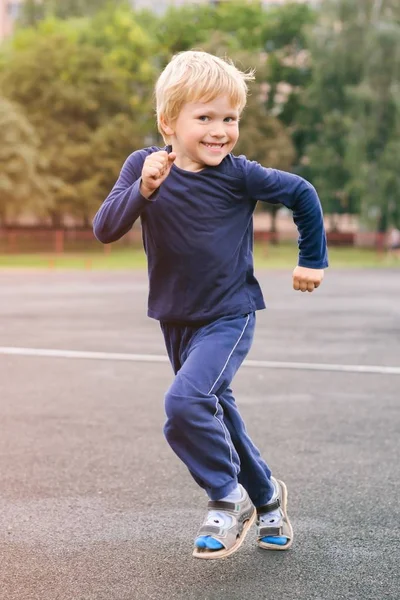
193 75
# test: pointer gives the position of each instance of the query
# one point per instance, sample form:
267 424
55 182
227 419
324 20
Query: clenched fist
307 280
155 170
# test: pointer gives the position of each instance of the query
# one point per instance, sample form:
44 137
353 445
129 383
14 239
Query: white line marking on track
156 358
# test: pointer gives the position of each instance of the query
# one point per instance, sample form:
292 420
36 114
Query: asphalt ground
95 506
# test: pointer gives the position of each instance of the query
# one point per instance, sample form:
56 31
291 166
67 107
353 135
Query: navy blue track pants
204 426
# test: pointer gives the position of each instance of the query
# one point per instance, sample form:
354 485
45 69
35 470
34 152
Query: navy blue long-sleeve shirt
197 233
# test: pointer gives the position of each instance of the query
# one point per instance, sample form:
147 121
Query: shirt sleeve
124 204
294 192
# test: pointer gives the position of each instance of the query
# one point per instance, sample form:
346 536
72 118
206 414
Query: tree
34 11
128 47
351 108
375 107
265 139
20 182
253 27
86 83
77 102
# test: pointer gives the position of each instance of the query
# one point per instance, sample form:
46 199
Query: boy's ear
168 130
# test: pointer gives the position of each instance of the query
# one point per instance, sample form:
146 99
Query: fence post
11 241
380 243
59 241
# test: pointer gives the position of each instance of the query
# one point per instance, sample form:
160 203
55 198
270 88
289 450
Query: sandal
280 527
242 515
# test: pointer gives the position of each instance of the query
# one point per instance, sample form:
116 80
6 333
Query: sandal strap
261 510
266 531
209 530
222 505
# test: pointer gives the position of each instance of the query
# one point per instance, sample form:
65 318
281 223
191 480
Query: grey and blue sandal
278 525
231 534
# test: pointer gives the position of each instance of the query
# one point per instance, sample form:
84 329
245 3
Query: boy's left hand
307 280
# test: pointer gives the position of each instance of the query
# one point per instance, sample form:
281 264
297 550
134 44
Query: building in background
10 9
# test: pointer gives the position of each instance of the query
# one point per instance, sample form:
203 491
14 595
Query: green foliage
20 181
263 137
33 11
79 88
118 32
86 85
351 109
245 26
183 28
74 98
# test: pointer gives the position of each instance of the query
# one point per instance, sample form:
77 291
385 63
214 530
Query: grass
283 256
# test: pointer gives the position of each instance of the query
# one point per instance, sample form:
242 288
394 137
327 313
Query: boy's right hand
155 170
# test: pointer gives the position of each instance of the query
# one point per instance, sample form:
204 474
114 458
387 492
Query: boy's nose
217 131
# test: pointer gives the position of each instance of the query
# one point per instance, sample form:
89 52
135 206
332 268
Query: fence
61 241
58 241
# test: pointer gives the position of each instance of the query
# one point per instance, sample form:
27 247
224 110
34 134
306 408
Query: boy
196 201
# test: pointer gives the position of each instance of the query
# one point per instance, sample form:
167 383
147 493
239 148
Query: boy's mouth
213 145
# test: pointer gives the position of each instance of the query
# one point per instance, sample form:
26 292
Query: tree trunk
56 219
273 230
333 224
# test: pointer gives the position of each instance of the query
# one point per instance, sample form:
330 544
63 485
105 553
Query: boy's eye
226 120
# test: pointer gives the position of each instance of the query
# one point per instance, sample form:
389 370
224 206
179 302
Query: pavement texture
95 506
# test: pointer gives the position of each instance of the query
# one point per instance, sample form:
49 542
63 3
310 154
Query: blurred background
76 98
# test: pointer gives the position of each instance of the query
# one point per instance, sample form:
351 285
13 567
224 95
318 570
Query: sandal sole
265 545
224 553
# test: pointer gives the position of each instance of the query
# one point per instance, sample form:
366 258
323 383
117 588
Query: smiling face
203 133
